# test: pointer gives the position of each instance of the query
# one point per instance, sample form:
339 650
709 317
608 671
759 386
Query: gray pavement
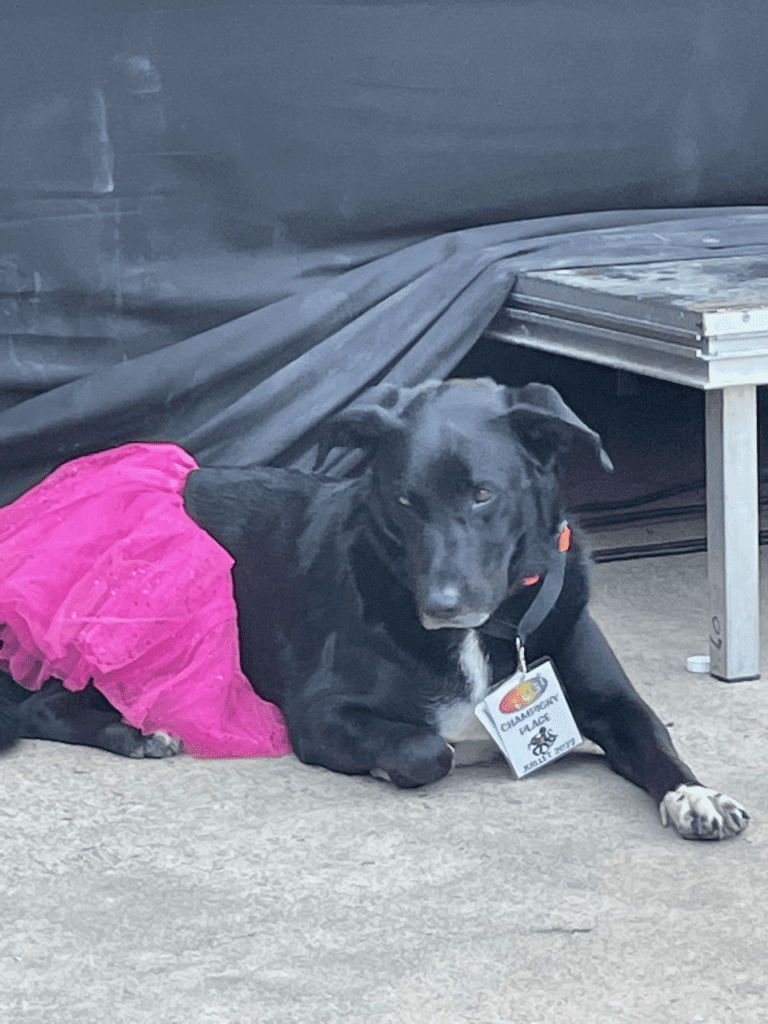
268 892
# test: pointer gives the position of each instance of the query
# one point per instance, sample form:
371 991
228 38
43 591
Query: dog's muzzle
443 609
468 621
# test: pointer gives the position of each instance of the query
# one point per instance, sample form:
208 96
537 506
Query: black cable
643 515
657 549
643 499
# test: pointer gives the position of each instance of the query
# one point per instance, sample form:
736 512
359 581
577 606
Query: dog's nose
442 602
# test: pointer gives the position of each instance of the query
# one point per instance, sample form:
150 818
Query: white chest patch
474 665
456 722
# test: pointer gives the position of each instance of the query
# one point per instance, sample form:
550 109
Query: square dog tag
528 716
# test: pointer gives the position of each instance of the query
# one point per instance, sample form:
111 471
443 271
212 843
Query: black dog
377 611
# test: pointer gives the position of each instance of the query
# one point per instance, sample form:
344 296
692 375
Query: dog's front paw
415 762
701 813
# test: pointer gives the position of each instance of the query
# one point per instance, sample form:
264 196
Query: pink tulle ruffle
105 578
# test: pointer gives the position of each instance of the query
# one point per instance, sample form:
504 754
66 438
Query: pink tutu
105 578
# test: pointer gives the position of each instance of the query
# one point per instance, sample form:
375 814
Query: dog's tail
9 721
9 727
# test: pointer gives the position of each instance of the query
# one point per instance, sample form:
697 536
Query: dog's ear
546 425
362 425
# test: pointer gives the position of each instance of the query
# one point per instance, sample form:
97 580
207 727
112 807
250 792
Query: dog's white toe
159 744
701 813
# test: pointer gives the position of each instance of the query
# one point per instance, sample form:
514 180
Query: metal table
699 322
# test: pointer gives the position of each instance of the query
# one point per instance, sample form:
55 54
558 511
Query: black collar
542 604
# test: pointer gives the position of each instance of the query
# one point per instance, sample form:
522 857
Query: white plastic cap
698 663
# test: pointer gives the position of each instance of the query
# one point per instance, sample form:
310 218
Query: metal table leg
733 532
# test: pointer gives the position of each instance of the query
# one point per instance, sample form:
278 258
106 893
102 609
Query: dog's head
464 483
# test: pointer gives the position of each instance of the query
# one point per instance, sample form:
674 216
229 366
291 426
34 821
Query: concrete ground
268 892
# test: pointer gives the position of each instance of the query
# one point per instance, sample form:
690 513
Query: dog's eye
404 501
482 494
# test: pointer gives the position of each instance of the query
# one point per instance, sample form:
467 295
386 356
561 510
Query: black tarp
205 208
241 122
256 388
